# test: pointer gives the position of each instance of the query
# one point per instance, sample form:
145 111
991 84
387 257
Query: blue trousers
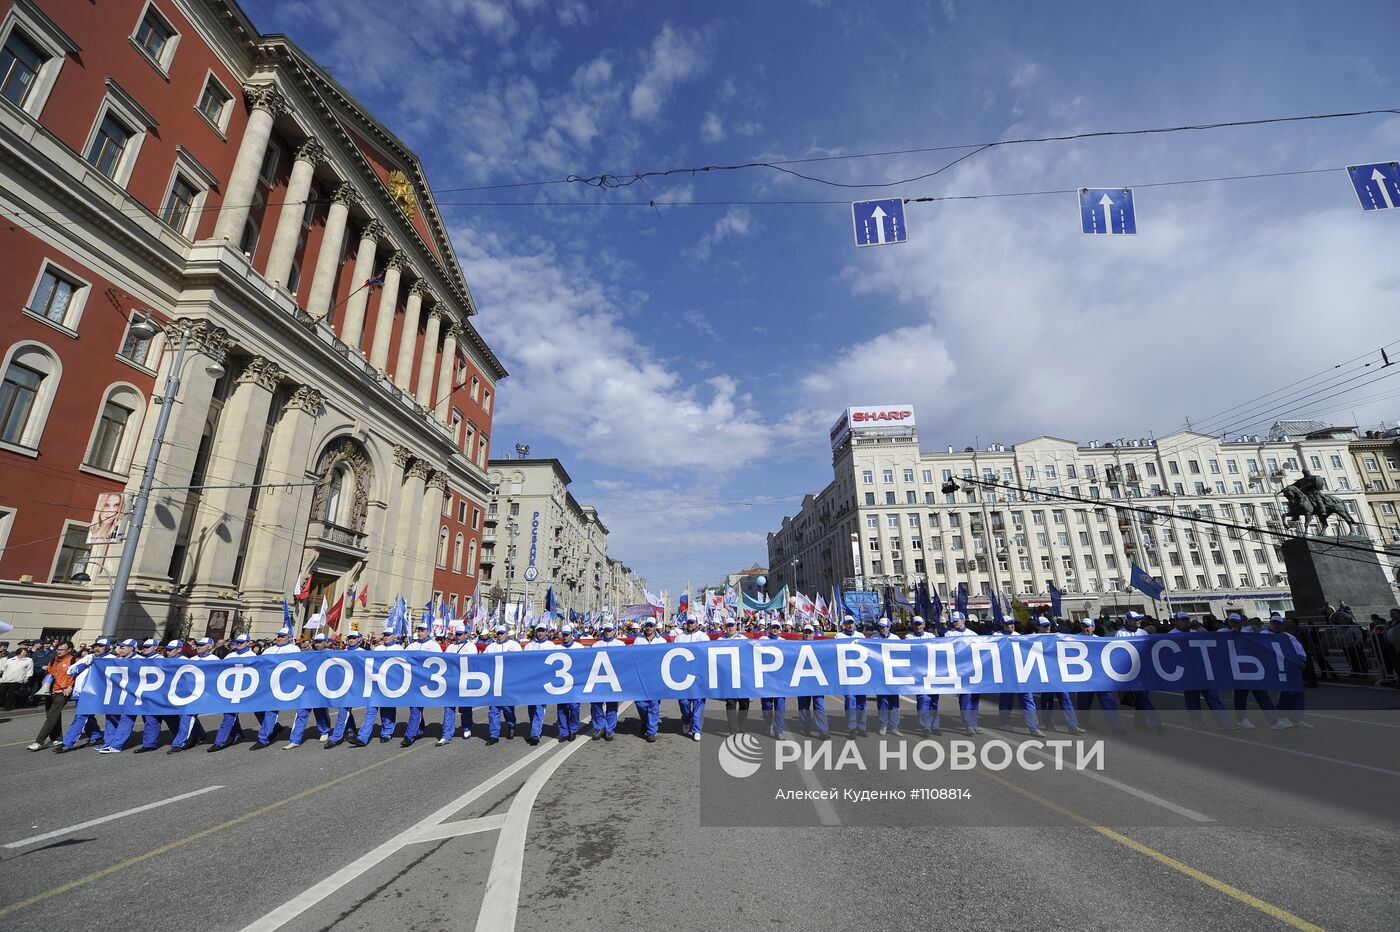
928 712
388 718
650 712
230 729
1048 702
188 728
150 729
692 715
449 721
1084 703
967 705
1143 701
774 710
811 712
604 715
568 718
82 725
1261 697
1027 703
495 713
267 724
887 712
536 719
119 728
414 731
323 723
855 713
1192 698
1290 703
344 719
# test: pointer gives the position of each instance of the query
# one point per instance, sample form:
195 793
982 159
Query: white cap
566 628
957 616
150 642
1135 616
320 636
1043 622
284 632
1087 622
971 617
883 623
919 619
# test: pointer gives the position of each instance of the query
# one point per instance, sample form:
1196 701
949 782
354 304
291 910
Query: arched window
294 277
335 495
114 434
31 375
442 549
471 558
457 554
249 243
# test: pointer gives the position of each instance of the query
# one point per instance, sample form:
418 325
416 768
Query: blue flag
960 602
902 601
287 616
1141 581
937 618
549 605
1055 594
996 608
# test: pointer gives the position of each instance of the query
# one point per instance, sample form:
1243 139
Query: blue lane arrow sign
1107 210
879 223
1377 184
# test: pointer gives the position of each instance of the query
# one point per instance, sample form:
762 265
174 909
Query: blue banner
720 669
862 605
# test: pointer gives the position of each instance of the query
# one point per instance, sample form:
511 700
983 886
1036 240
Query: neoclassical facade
334 405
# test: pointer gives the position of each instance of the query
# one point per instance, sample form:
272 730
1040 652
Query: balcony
338 539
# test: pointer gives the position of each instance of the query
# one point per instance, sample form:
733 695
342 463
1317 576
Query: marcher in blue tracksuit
189 730
230 728
854 705
568 712
774 707
887 706
1235 623
1181 626
83 726
693 710
540 641
387 715
927 705
811 710
1049 700
505 644
462 643
345 715
268 725
423 641
116 735
967 702
1290 702
604 714
1141 698
649 709
118 725
1026 700
1084 701
182 727
319 642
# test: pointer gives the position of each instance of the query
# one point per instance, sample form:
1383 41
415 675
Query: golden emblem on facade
401 190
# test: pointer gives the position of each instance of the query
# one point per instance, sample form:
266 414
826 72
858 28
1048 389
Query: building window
20 63
105 153
248 243
136 349
462 512
457 554
476 518
867 477
179 205
471 558
26 394
476 389
443 538
215 104
486 402
114 435
58 297
267 172
155 36
7 518
73 550
887 476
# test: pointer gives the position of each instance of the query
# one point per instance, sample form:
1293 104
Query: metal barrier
1349 650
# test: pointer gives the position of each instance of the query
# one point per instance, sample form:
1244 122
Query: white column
405 572
354 326
384 544
421 566
427 357
265 102
408 336
289 219
388 301
442 407
318 300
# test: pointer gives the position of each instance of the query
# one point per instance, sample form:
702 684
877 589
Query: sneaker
291 746
651 739
607 736
1246 723
110 750
1282 724
1077 731
407 742
36 746
1037 733
443 742
491 741
881 730
1233 726
1300 723
532 741
355 742
895 732
62 749
571 737
597 736
695 735
332 744
324 738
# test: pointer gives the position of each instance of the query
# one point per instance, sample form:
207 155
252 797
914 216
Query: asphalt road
1199 830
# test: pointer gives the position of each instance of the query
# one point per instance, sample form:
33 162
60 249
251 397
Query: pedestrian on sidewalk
18 669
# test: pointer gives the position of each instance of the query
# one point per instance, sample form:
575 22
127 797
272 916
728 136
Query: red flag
333 616
364 595
304 592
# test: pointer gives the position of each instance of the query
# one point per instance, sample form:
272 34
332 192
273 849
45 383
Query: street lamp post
145 329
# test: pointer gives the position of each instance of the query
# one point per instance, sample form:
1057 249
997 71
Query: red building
333 416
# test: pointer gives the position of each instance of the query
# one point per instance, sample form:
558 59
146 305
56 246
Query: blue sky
685 361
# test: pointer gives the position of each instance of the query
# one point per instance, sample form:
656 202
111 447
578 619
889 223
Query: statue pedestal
1321 572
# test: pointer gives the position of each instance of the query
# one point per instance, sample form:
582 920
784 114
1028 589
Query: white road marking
1358 721
457 829
1283 750
25 842
1143 795
826 812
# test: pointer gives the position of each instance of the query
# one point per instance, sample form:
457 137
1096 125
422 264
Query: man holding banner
693 710
462 643
503 644
854 705
388 715
423 641
568 712
604 714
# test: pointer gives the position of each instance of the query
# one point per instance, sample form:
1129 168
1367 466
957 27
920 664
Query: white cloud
712 129
675 57
582 378
1025 76
494 17
737 221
